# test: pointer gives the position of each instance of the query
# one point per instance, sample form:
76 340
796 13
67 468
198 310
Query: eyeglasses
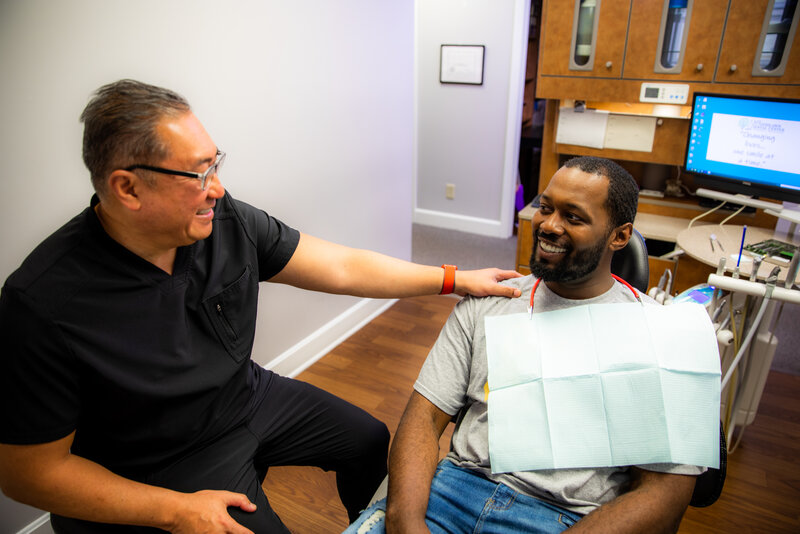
212 170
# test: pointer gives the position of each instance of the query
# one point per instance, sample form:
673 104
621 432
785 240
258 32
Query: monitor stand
739 199
771 208
728 206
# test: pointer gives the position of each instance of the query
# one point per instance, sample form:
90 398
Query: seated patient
586 214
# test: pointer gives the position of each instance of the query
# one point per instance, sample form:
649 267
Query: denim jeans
463 501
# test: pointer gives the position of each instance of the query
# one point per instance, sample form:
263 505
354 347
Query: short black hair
623 192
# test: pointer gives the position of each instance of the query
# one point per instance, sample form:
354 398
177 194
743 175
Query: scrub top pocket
231 313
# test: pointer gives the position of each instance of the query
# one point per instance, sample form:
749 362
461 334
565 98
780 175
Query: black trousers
295 424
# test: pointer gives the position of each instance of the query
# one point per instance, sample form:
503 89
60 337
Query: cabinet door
557 38
740 47
702 41
524 246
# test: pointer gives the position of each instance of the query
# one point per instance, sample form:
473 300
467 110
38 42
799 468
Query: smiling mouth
206 211
551 249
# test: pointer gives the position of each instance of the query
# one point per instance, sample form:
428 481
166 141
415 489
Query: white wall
468 135
313 102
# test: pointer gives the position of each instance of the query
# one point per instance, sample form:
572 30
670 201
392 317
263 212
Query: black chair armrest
708 486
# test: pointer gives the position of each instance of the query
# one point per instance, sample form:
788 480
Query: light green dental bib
603 385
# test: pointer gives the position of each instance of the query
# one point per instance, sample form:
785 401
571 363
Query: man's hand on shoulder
206 512
484 283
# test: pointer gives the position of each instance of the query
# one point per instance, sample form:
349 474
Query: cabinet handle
734 67
608 64
699 67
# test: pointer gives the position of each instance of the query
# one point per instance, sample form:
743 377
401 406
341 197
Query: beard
574 266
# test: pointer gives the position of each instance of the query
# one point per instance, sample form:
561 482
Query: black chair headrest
630 263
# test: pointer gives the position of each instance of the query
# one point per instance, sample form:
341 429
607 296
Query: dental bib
603 385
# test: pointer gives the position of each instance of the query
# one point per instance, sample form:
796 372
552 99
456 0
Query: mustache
552 238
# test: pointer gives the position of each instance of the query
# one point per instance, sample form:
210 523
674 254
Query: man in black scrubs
127 393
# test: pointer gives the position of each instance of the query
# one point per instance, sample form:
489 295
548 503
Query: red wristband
449 283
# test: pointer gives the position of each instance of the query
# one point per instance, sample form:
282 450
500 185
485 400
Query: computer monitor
745 145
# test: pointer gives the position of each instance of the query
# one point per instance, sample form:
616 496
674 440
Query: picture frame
461 64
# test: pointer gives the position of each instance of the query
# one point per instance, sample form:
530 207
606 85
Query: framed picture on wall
461 64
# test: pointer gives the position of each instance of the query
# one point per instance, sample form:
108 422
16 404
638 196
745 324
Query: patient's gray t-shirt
455 374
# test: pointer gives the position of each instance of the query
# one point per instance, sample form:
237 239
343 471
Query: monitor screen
743 144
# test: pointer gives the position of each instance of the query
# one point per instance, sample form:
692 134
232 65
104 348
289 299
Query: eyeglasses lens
212 171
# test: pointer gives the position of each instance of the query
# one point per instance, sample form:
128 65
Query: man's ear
620 236
124 187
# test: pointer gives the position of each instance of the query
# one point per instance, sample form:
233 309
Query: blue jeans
463 501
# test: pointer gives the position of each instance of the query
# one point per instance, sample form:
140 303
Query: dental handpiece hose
771 281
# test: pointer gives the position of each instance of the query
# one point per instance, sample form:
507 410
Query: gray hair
120 127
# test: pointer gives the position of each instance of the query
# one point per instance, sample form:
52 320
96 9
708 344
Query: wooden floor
376 368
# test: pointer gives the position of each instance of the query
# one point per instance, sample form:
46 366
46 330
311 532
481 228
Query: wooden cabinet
719 35
722 44
704 32
524 242
557 38
740 47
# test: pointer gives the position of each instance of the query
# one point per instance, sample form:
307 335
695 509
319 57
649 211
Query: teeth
551 248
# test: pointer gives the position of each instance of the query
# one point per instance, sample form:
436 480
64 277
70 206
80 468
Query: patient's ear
620 236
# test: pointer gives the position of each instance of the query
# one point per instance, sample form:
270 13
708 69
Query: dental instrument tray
774 251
